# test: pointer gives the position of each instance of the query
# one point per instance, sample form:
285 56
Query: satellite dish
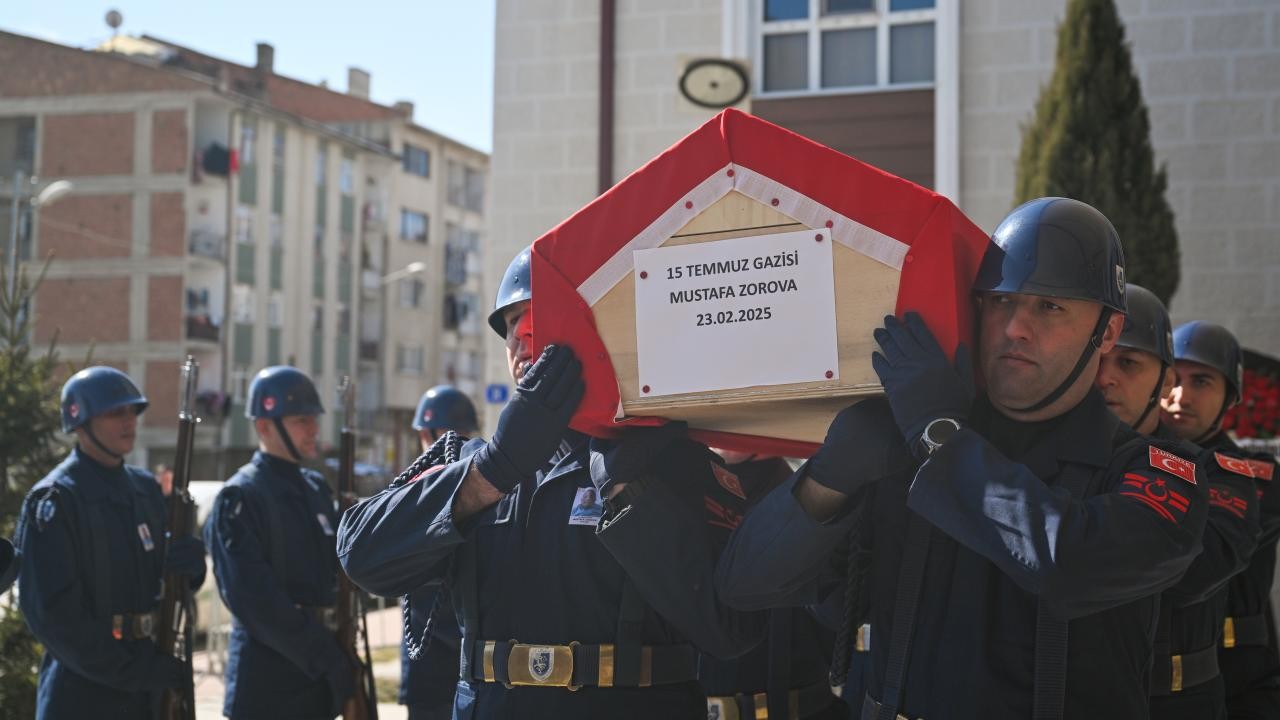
114 18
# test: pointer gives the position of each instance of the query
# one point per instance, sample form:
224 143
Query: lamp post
48 195
412 268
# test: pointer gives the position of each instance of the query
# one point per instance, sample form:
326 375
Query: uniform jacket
1248 593
1192 610
796 652
520 569
279 649
1061 517
76 575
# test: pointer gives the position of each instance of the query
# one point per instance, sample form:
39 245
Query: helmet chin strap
1215 426
88 430
1154 399
1095 343
288 443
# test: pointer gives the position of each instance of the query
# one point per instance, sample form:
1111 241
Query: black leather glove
862 446
340 677
185 556
921 384
625 459
532 424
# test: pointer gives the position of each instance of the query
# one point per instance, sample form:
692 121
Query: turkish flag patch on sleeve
1172 464
1256 469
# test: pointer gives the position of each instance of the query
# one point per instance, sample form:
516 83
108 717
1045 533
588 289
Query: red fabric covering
937 275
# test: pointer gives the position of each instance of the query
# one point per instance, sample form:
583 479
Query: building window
417 161
243 304
347 175
409 359
462 312
322 165
248 139
842 45
275 310
465 186
413 226
411 290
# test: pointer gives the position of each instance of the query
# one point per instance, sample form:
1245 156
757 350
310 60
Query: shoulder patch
1168 462
1225 498
728 480
1256 469
1156 494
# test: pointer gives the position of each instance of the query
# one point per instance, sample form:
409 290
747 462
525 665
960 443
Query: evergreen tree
1090 140
30 428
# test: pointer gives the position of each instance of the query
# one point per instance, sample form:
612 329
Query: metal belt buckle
722 708
1175 680
1228 633
541 665
144 624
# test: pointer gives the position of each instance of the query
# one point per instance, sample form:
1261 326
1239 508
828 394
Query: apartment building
230 213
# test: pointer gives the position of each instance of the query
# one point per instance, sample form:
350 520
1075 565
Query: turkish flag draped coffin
894 246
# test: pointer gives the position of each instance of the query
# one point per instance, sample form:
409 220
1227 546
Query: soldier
569 608
427 682
271 536
1133 378
1014 533
1210 370
94 551
786 675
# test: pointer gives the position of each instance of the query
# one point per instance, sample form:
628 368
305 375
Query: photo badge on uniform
144 533
45 512
324 524
587 507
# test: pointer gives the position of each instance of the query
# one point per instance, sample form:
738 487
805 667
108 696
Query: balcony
207 244
200 327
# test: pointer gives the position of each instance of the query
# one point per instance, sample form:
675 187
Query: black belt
801 703
1170 674
871 709
134 627
576 665
1250 630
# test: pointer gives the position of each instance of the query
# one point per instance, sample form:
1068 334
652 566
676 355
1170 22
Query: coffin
762 333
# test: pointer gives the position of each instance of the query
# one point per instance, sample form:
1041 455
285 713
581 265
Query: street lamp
412 268
48 195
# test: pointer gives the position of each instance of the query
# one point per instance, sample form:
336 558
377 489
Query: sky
437 54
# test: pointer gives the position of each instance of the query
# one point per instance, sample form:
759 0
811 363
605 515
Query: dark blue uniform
542 567
1075 518
92 540
1248 659
1192 611
271 537
789 669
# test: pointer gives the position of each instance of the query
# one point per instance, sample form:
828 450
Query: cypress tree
1090 139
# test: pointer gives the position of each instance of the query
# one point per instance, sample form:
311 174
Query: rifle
174 636
352 626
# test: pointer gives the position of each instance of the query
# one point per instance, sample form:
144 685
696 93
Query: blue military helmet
282 390
1215 346
1056 247
517 286
97 390
1146 325
445 407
